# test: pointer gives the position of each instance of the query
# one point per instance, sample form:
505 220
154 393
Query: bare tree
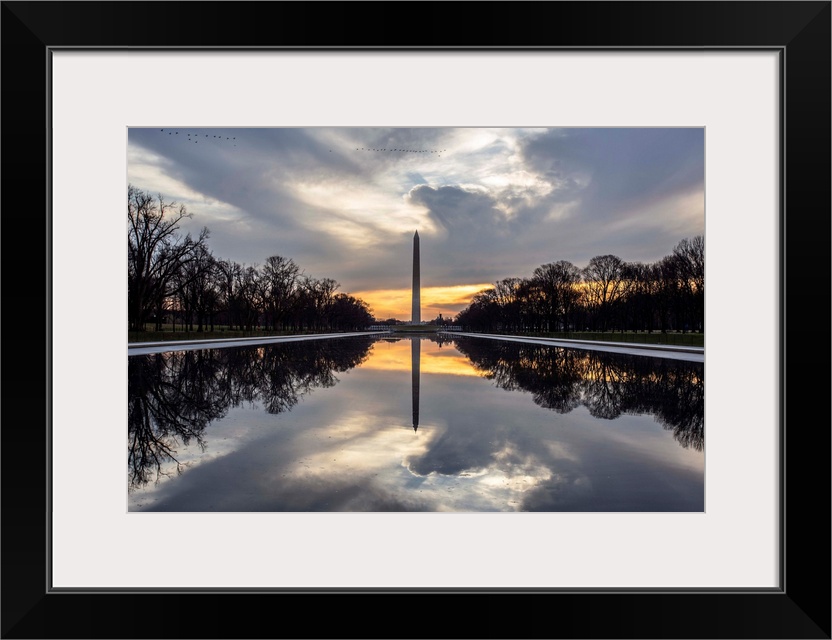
196 287
558 282
604 286
318 297
690 258
250 297
155 252
280 276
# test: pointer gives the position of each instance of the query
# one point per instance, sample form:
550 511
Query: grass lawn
167 333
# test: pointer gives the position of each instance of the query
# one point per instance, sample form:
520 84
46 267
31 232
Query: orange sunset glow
397 356
395 303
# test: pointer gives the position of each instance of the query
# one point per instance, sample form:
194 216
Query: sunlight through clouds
387 303
149 168
396 356
489 203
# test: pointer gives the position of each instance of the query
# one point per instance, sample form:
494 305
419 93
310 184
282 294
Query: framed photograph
389 373
720 114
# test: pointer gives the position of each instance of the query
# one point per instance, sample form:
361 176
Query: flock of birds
438 152
194 137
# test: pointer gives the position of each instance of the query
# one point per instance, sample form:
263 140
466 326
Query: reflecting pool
420 423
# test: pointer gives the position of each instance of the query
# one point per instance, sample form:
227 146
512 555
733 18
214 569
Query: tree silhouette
156 252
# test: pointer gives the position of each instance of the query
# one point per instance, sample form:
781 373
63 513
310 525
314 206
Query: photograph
465 319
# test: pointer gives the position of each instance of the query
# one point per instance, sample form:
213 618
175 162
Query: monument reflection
415 372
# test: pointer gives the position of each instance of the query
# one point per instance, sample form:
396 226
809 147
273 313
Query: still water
424 424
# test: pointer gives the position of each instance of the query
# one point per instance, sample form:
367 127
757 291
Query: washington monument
416 316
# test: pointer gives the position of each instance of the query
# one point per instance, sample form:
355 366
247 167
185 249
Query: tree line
609 294
171 275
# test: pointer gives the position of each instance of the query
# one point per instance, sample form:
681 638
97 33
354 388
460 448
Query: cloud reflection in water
327 425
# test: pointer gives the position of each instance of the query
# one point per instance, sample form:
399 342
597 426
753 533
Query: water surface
421 424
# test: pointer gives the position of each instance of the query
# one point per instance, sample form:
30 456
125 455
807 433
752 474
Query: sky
488 203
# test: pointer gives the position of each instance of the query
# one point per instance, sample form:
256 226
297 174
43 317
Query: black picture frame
799 608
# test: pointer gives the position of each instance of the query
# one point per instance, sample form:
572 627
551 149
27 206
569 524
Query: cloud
465 215
489 203
619 167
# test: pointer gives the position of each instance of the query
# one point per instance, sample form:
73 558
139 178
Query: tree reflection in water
607 384
417 427
173 396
